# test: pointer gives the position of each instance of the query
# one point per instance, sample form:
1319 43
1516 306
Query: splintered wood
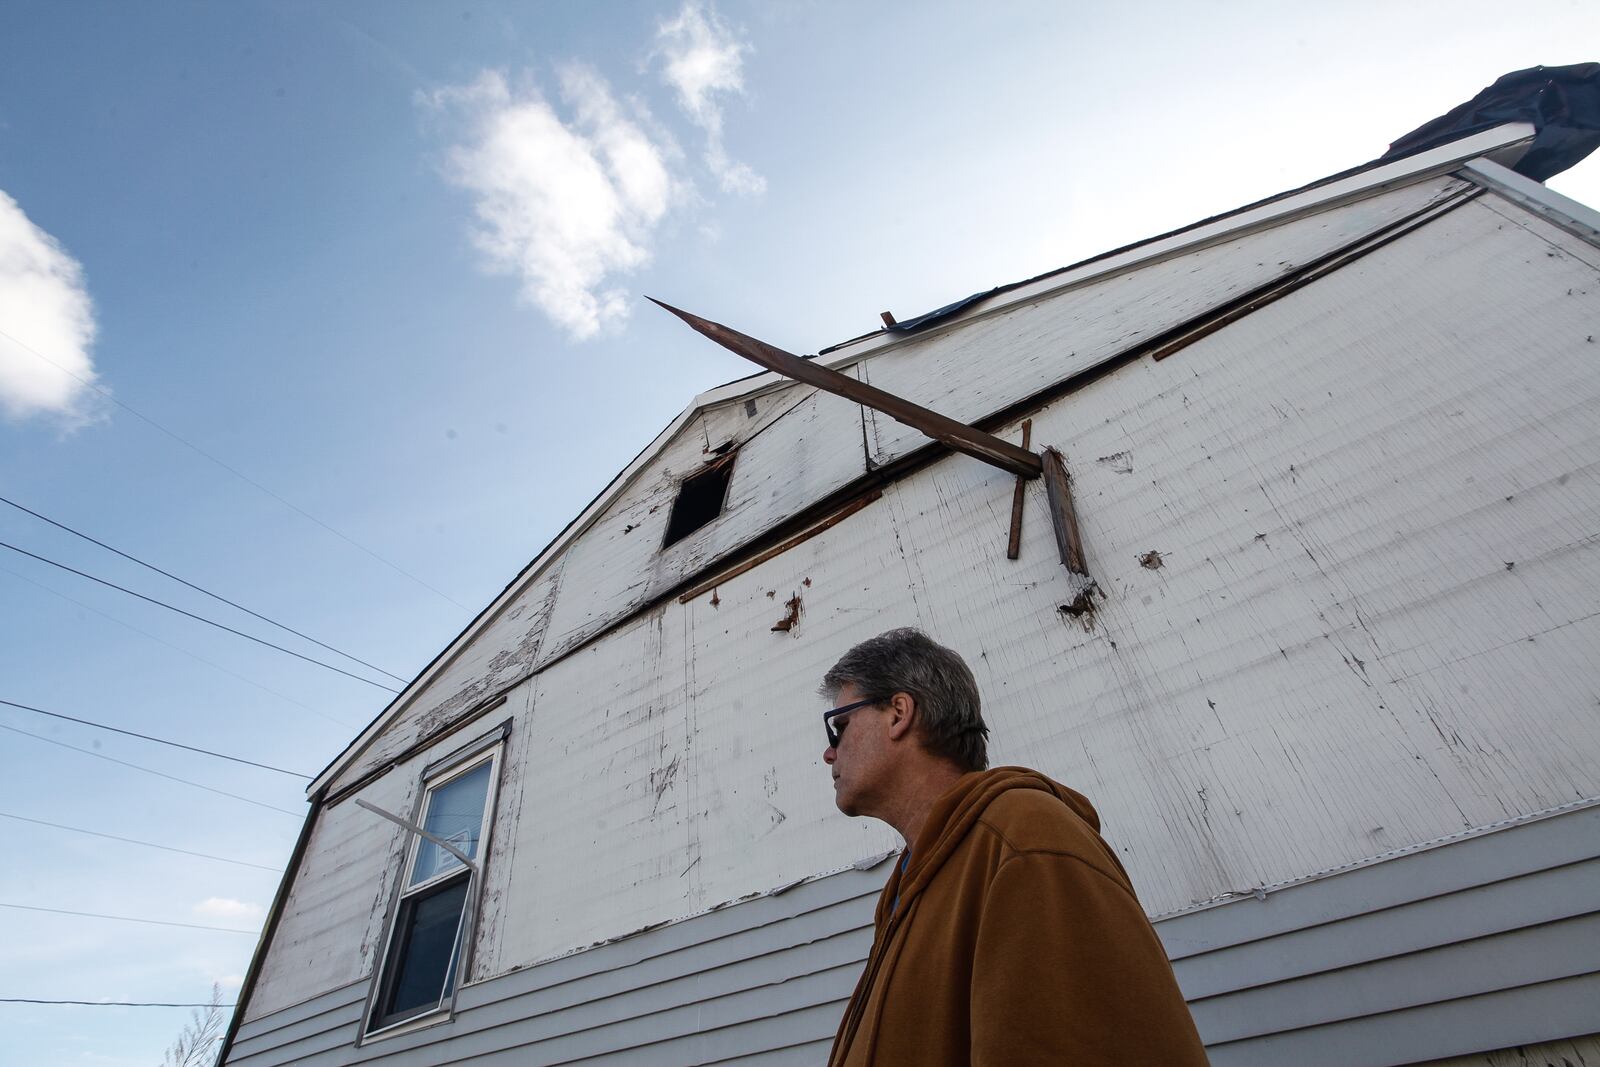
1014 545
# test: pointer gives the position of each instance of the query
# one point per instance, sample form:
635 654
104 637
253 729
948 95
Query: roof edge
1502 143
1576 217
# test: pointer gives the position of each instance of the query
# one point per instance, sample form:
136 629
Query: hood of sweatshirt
952 817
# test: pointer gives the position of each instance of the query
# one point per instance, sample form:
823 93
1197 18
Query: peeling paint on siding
1332 656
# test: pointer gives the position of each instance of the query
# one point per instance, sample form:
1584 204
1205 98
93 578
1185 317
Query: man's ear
902 715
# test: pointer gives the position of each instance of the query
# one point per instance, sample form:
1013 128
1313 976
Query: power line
150 770
135 841
157 740
177 648
114 1003
130 919
197 618
231 470
199 589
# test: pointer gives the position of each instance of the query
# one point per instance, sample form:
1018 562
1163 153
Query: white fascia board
1505 141
1569 214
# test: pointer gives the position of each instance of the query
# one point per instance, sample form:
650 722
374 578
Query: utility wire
113 1003
130 919
157 740
134 841
150 770
177 648
197 618
200 589
197 450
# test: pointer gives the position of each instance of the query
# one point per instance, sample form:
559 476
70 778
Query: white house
1335 460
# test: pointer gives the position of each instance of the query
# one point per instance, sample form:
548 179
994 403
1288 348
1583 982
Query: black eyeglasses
836 732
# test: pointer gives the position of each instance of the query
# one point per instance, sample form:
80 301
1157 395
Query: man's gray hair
909 661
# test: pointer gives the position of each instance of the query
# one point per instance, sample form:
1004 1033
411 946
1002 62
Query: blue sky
385 261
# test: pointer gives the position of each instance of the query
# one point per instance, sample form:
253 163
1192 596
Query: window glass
425 960
455 813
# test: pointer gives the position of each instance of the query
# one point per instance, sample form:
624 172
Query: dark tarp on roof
1563 103
940 314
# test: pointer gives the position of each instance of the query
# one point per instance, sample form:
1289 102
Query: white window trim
488 748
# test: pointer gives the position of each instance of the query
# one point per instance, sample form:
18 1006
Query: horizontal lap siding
1396 961
758 978
1567 1052
1520 1016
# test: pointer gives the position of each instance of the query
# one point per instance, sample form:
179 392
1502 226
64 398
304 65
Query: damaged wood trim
471 749
1188 333
1058 484
956 435
780 548
432 737
1014 543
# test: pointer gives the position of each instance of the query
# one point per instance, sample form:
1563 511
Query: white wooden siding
1504 143
1334 658
803 445
1385 544
617 564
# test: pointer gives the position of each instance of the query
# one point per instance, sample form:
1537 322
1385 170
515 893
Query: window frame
487 749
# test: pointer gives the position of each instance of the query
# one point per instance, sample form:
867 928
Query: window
433 916
700 499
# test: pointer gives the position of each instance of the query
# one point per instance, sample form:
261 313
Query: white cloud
228 908
44 307
564 205
703 62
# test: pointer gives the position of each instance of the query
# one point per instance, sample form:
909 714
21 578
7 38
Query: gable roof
1502 144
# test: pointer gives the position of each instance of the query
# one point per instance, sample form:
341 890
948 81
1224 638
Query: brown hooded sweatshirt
1013 937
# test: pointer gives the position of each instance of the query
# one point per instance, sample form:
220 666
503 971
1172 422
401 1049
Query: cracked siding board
984 366
809 449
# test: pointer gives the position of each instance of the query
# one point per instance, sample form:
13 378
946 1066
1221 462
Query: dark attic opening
700 499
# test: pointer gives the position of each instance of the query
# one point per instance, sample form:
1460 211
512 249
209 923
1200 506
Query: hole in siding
700 499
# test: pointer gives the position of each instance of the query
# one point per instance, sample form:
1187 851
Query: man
1008 933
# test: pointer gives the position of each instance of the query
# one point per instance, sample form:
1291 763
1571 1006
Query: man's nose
830 754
